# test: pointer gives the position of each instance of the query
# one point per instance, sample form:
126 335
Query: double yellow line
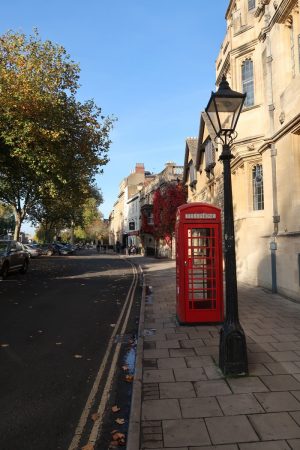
123 319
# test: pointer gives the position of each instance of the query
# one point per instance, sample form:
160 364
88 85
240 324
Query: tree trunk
17 226
72 233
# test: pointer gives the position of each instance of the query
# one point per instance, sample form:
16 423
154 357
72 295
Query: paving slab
160 409
199 361
171 363
278 401
185 432
189 374
237 404
233 429
272 426
216 447
281 382
200 407
159 375
177 390
270 445
211 388
247 385
282 368
294 444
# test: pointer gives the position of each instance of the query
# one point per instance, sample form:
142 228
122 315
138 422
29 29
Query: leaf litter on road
115 408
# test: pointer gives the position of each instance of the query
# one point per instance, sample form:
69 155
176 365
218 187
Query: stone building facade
260 55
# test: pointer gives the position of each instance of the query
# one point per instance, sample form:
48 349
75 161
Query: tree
7 220
47 138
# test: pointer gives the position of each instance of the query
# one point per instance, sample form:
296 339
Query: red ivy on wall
165 203
145 226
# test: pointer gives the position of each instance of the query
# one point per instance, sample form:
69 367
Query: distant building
135 199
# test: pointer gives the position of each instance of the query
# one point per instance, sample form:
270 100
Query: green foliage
7 220
51 145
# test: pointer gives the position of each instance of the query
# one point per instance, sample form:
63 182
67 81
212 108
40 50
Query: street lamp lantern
223 111
224 108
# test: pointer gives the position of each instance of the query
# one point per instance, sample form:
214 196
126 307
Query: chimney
139 168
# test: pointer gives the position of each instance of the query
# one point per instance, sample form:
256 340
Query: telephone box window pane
201 269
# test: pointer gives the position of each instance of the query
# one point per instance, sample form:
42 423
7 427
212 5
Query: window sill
242 30
249 108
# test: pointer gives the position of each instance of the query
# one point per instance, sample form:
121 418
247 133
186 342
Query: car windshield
3 247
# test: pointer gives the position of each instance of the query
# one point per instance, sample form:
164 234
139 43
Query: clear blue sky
151 63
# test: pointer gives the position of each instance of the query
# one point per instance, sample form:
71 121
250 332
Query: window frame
258 201
248 83
251 5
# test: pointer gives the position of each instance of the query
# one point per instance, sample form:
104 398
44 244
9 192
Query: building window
258 187
192 173
251 4
210 156
150 220
248 82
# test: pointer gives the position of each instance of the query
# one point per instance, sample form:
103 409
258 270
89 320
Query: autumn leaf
95 417
129 378
78 356
88 447
118 436
120 421
115 408
125 368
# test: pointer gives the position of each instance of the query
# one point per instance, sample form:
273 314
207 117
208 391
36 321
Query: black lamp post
223 110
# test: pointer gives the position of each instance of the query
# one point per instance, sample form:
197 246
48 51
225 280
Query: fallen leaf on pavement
113 325
4 345
129 378
115 408
118 436
78 356
125 368
88 447
58 343
120 421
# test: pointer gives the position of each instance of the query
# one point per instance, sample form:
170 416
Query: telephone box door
203 293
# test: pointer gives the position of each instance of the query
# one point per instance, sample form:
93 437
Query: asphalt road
55 323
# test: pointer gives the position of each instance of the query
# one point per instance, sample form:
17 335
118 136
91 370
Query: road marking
98 423
91 398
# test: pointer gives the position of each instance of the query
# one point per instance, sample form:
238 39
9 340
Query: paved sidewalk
181 400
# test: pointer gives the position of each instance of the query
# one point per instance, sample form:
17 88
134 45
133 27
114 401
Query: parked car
33 251
50 249
12 257
66 249
58 248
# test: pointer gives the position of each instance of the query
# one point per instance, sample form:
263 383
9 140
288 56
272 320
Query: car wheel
49 253
5 270
25 266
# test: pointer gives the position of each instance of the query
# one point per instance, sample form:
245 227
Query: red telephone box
199 274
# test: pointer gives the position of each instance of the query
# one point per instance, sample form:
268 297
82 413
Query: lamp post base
233 360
